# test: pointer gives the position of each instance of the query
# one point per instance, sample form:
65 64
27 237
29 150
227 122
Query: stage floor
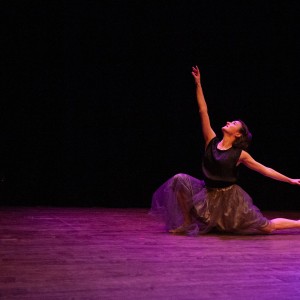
101 253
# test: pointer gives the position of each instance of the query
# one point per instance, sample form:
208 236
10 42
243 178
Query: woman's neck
225 143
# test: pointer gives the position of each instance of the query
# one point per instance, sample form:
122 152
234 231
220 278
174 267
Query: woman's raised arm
207 131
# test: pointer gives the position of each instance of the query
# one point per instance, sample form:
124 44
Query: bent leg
173 200
184 191
183 203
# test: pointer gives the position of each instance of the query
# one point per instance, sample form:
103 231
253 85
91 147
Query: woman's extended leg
281 223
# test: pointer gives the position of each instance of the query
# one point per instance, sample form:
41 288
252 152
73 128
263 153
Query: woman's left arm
252 164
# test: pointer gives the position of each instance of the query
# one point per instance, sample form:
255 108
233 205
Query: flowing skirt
227 209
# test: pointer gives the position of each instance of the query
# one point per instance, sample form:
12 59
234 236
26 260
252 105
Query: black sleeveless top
219 166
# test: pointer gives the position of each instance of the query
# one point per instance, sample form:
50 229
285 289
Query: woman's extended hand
295 181
196 74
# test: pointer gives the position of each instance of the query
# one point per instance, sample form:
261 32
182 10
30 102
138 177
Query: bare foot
181 229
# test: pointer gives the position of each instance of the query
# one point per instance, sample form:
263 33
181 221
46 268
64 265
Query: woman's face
233 128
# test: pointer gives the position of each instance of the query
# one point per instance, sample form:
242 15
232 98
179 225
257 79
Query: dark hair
243 142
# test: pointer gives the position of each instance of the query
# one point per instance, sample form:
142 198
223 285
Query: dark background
98 105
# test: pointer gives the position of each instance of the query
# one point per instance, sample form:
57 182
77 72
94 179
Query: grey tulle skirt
227 209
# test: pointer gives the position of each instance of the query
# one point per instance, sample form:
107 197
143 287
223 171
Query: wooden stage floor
100 253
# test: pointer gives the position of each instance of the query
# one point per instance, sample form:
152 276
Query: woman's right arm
252 164
207 131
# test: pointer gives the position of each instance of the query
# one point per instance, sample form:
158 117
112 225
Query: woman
191 206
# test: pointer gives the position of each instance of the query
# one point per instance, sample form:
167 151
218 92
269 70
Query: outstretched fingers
296 181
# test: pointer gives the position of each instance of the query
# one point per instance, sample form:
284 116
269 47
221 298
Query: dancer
191 206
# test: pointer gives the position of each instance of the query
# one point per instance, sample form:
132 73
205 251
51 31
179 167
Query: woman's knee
180 176
178 179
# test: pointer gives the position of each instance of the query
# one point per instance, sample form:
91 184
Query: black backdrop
98 104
